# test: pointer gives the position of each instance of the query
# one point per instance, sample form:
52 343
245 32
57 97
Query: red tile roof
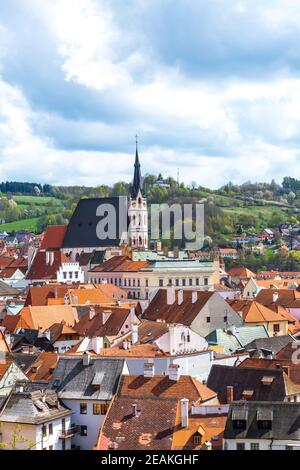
121 264
41 271
38 296
53 237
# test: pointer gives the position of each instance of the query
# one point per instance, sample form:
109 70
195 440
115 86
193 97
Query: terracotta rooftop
39 296
241 272
40 270
121 264
53 237
254 312
43 367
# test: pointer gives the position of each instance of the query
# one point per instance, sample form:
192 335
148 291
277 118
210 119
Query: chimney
275 297
51 258
149 369
105 316
229 393
173 372
47 258
176 252
194 297
134 333
47 335
184 410
180 297
134 409
86 359
166 251
75 299
92 313
170 295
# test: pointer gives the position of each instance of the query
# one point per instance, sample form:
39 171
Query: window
177 282
207 319
191 282
161 283
240 446
254 446
104 409
65 275
83 430
206 281
197 440
96 409
83 408
264 424
50 429
197 281
188 338
276 328
225 319
76 274
183 282
44 430
50 447
239 424
147 283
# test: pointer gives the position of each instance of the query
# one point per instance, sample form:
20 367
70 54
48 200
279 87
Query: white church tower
138 214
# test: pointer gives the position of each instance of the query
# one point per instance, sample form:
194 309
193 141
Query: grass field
24 224
36 200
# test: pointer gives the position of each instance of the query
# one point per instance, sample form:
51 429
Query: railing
67 433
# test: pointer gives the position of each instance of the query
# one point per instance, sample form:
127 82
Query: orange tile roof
39 270
241 272
53 237
42 368
121 264
42 295
41 318
91 296
254 312
160 386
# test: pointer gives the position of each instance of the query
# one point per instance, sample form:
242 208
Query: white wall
181 339
264 444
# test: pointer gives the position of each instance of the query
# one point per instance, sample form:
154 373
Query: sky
211 87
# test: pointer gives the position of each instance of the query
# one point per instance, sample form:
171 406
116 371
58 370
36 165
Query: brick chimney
194 297
184 411
229 393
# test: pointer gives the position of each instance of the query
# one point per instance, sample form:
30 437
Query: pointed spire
137 179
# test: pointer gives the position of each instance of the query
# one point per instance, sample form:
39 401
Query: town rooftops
284 421
254 312
241 272
41 318
7 291
161 386
73 379
39 296
183 313
264 384
44 269
268 346
285 297
291 369
121 264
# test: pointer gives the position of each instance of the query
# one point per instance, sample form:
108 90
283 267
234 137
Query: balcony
68 433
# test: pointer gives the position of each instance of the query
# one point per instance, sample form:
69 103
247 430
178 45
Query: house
42 318
42 368
230 253
291 369
254 313
33 418
289 299
202 312
254 286
148 410
104 327
262 426
62 337
268 347
234 339
86 385
28 340
10 372
141 279
236 384
70 272
238 275
45 266
38 296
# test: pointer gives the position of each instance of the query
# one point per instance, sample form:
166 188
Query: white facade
31 436
184 274
180 340
70 272
260 444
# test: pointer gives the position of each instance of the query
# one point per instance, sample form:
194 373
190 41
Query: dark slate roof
81 231
249 379
23 360
263 346
285 421
73 380
137 178
33 406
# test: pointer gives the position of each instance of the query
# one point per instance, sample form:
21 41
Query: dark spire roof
137 179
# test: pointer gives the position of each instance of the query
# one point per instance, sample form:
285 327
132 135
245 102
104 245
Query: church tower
138 214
